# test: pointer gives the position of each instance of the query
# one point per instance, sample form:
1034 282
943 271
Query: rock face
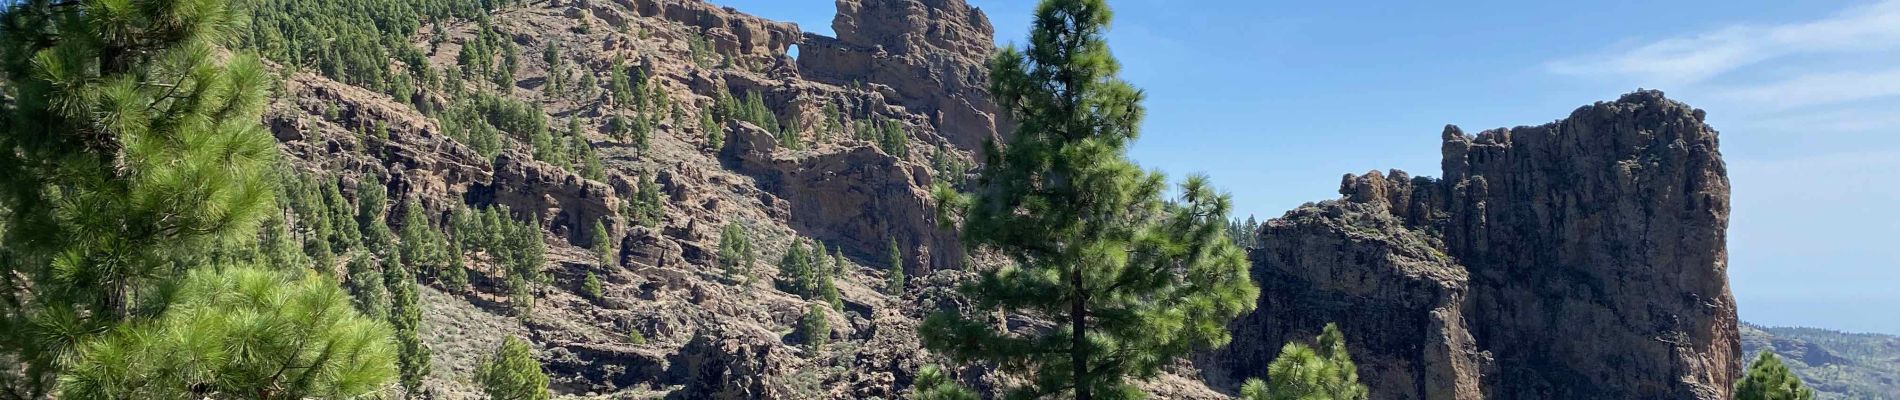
668 319
729 30
563 202
1584 258
932 53
857 197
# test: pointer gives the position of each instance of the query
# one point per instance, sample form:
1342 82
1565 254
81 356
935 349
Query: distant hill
1838 365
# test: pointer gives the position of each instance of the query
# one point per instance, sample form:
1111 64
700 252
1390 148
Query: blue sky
1276 101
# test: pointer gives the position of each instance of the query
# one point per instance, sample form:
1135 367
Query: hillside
673 124
741 192
1837 365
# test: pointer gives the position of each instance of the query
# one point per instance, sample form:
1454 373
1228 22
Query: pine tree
814 327
933 384
1768 379
455 274
279 249
821 260
1324 372
715 136
592 287
302 339
345 236
646 209
405 316
371 207
834 121
1132 282
792 137
422 248
797 276
735 253
894 284
642 134
618 83
366 285
823 272
132 154
513 374
805 271
588 84
314 218
603 246
892 139
837 259
526 252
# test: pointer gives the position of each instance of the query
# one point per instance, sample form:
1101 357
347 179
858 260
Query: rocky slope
913 67
1838 365
1584 258
917 65
1606 226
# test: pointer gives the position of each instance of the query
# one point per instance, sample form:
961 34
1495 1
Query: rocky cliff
668 323
1580 259
1584 258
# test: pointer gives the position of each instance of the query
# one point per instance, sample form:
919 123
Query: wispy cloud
1817 88
1874 118
1701 56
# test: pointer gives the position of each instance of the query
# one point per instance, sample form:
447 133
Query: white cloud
1849 120
1819 88
1701 56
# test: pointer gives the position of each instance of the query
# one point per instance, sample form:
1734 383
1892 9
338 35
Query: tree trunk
1078 341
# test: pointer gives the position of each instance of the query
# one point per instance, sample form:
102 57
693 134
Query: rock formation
1579 259
932 53
700 333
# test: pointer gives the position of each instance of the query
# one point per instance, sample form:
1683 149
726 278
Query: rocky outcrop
721 365
562 201
730 31
338 127
856 198
1404 294
1579 259
933 54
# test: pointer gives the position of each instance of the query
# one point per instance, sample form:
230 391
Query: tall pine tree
1131 282
894 283
130 146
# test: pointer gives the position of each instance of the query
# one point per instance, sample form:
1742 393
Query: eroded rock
1579 259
